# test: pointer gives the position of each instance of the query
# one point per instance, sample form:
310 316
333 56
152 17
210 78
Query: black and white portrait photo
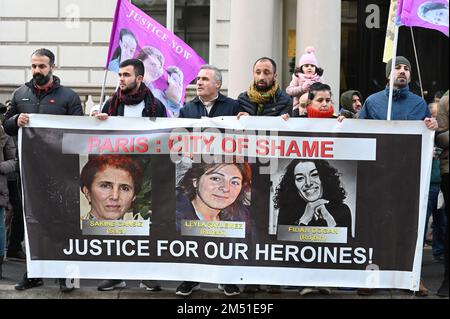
315 193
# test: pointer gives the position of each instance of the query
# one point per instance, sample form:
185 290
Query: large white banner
251 201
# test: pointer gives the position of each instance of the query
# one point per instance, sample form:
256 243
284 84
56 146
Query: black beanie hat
399 60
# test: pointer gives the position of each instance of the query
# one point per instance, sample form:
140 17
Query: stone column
319 25
255 31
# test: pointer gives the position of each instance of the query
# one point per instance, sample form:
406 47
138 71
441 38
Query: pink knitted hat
308 57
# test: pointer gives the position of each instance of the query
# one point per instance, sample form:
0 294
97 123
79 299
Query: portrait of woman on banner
153 61
125 50
110 183
311 194
214 192
172 96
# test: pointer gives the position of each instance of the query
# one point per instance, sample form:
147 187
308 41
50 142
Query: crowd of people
307 96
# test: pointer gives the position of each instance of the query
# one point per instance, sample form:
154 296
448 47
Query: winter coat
59 100
8 163
406 106
300 84
281 104
224 106
442 134
347 103
160 109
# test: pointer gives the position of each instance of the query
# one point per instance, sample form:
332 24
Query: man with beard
351 102
406 106
133 98
43 95
264 97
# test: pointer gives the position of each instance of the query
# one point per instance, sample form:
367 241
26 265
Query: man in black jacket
209 101
133 98
43 95
264 97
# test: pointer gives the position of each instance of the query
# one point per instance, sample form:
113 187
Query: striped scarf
262 98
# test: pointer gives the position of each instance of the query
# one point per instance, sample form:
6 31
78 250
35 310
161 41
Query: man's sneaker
63 285
17 255
443 290
305 290
111 284
325 290
150 285
230 290
186 288
27 283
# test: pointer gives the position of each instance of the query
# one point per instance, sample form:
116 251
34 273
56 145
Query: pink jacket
300 85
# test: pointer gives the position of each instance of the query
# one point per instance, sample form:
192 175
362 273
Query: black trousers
17 231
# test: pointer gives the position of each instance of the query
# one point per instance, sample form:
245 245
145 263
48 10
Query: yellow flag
390 31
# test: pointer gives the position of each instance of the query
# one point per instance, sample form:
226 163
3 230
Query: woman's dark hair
186 184
317 87
99 163
287 196
118 51
299 69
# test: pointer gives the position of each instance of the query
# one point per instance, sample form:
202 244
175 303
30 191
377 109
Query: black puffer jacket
224 106
59 100
7 164
281 104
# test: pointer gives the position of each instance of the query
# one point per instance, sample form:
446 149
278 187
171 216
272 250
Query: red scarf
314 113
143 93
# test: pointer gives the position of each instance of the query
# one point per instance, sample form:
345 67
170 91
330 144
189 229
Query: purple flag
170 64
430 14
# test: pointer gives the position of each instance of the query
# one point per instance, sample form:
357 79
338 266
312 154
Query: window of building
191 21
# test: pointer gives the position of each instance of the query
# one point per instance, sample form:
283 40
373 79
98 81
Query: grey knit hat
399 60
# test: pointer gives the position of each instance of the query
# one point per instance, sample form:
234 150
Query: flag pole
102 96
170 15
391 83
417 62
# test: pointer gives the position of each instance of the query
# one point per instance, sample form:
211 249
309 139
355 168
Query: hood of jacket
347 99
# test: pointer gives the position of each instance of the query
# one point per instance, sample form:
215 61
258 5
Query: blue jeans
2 231
439 221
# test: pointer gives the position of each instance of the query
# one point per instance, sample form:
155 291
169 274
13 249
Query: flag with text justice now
426 14
170 64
